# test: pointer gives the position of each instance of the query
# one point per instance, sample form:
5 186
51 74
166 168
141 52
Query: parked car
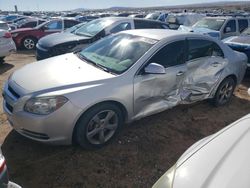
219 160
219 27
240 43
10 18
61 43
185 19
27 37
86 96
4 177
4 26
30 23
7 45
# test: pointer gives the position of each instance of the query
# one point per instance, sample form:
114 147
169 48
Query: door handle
180 73
215 64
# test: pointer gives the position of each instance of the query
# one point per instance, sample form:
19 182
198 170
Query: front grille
35 134
10 108
13 92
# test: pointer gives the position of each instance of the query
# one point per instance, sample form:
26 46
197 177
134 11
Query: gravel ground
143 151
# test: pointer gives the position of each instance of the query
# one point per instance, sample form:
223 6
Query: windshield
74 28
117 53
94 27
214 24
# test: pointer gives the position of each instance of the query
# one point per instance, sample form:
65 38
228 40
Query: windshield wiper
95 64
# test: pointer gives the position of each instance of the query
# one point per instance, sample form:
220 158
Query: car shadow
4 67
26 52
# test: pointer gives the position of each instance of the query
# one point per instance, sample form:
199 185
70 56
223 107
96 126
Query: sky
57 5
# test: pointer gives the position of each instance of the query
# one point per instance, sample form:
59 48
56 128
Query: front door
156 92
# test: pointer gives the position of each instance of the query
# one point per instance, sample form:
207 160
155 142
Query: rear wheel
29 43
224 92
98 126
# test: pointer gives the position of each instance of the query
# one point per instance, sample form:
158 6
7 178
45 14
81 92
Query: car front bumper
55 128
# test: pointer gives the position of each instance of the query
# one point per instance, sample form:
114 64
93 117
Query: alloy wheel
102 127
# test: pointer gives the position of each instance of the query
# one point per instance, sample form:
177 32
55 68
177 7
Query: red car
27 37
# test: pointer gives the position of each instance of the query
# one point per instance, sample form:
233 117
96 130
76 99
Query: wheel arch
118 104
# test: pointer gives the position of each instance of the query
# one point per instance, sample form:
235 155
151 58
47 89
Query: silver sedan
87 96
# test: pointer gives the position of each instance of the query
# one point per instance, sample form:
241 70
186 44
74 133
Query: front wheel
29 43
224 92
98 126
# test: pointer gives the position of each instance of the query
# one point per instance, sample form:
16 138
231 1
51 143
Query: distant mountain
79 10
198 5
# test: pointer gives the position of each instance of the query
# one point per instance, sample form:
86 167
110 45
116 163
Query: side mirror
228 30
154 68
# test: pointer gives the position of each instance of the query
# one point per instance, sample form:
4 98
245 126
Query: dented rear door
205 66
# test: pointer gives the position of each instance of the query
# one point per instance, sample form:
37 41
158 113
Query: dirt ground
143 151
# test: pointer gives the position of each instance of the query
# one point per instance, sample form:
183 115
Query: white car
7 45
4 26
218 161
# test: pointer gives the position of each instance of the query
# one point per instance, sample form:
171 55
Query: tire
29 43
224 92
98 126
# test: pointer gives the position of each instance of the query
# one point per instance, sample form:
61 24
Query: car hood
65 71
59 38
238 41
210 32
221 160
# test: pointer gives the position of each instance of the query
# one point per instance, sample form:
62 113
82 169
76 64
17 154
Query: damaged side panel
156 93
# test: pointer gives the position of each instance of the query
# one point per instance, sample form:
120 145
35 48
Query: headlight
44 105
14 34
166 181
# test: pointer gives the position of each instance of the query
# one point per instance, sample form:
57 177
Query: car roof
130 18
159 34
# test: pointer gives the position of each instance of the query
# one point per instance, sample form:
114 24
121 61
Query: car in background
10 18
4 26
4 177
29 23
85 97
7 45
219 27
86 18
61 43
240 43
27 37
182 19
220 160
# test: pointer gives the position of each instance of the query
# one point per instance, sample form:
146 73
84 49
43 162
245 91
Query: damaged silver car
87 96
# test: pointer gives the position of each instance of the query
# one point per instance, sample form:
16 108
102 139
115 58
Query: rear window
199 48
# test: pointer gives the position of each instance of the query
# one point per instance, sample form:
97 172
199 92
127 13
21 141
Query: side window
121 27
55 25
68 24
198 48
216 50
140 24
171 55
243 24
230 26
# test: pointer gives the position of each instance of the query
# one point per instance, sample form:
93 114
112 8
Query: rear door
157 92
242 24
205 65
